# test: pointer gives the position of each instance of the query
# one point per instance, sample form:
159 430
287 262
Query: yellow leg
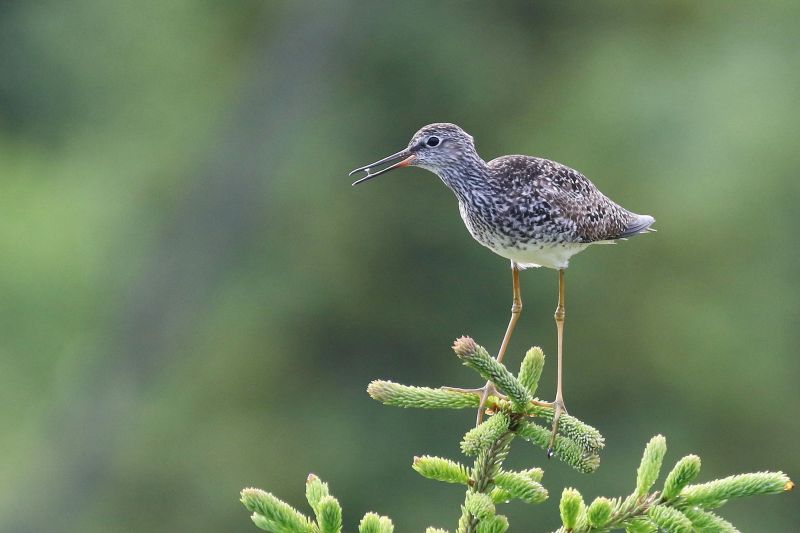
516 310
558 404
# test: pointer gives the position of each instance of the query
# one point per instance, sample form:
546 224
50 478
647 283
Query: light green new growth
479 505
315 491
482 436
272 514
531 369
571 507
577 444
440 469
564 449
501 495
599 512
536 473
650 466
708 522
373 523
521 486
494 524
477 358
588 438
486 467
685 471
679 507
715 493
329 515
639 525
398 395
669 519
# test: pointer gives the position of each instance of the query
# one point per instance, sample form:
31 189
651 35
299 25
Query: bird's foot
481 390
484 393
558 409
465 391
487 390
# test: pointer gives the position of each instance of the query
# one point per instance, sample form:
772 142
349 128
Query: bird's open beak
406 158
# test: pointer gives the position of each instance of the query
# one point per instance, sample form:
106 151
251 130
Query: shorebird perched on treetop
532 211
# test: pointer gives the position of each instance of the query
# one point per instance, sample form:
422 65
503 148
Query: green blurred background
194 298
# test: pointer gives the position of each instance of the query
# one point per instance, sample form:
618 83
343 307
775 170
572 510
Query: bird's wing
574 206
594 216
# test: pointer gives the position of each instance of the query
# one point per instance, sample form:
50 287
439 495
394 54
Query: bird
531 211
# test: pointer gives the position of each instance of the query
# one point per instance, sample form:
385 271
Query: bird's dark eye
433 141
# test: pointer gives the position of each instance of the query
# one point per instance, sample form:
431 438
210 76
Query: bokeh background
193 298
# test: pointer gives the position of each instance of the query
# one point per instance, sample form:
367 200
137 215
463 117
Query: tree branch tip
250 496
251 492
464 345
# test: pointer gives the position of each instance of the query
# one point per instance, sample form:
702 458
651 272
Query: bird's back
562 202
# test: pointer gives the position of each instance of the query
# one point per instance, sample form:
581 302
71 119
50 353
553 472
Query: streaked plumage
532 211
537 212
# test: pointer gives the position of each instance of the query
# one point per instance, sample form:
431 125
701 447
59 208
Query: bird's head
435 147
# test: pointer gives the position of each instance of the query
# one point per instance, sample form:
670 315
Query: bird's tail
638 224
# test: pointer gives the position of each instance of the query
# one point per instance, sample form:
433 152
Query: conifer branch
374 523
329 515
394 394
521 485
531 369
483 435
599 512
648 470
316 489
708 521
715 493
685 471
678 507
477 358
588 438
578 443
564 449
571 508
487 465
272 514
440 469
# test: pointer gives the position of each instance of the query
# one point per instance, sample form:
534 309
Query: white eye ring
432 141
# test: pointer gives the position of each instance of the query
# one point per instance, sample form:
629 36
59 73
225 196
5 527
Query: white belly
545 255
524 254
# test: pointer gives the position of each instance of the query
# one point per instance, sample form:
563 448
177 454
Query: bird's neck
468 178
